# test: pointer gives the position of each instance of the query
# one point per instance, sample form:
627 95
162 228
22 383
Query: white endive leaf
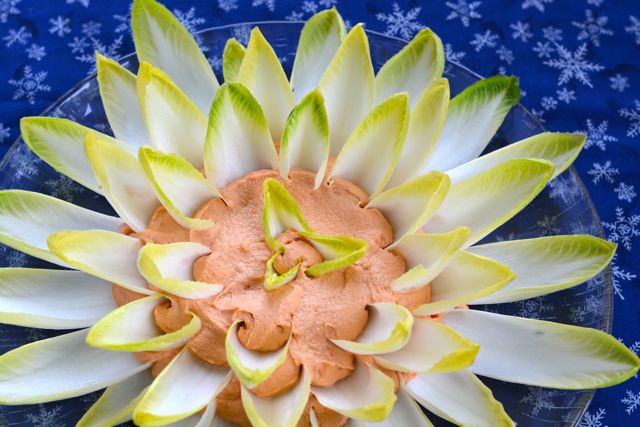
238 139
280 213
110 256
52 299
546 264
305 140
123 181
120 100
459 397
409 206
338 252
27 219
232 57
370 155
163 41
170 268
541 353
388 329
405 412
59 368
347 86
207 419
473 118
486 201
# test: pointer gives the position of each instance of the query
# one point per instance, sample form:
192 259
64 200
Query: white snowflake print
45 417
619 275
635 347
594 419
625 192
228 5
191 22
543 49
605 171
85 3
63 187
505 54
5 132
548 103
20 36
548 226
309 7
633 115
464 11
565 95
78 45
597 135
595 2
573 65
534 308
401 23
521 31
36 52
88 56
29 85
215 62
26 165
480 41
634 28
538 115
540 398
271 4
123 22
592 28
242 33
619 82
632 401
565 188
452 55
623 229
91 28
294 16
537 4
8 7
59 26
553 34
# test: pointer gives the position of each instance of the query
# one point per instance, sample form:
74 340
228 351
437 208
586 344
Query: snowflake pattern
20 36
548 226
5 132
604 172
536 4
45 417
634 28
59 26
631 401
565 95
623 229
191 22
84 3
543 49
597 135
480 41
592 28
401 23
625 192
619 83
553 34
573 65
270 4
505 54
36 52
464 11
228 5
539 399
565 188
8 7
619 276
87 56
63 187
594 419
633 115
521 31
29 85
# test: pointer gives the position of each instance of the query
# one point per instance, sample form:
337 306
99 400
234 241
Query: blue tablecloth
578 63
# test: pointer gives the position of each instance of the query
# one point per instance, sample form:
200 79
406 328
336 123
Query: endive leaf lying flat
283 410
120 100
161 40
305 140
559 148
27 219
170 268
388 329
466 278
123 181
338 252
186 375
238 139
426 255
273 280
544 354
546 264
409 206
262 74
366 394
175 124
280 213
412 69
110 256
232 57
347 86
181 188
405 412
52 299
459 397
433 347
250 366
59 368
488 200
473 118
381 132
207 419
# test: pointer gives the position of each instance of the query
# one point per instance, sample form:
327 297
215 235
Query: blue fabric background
578 62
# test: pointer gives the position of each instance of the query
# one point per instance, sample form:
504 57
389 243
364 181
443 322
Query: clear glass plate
564 207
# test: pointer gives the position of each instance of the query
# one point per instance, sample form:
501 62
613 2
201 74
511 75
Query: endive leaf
473 118
305 140
280 213
181 188
232 57
486 201
206 419
27 219
338 252
273 280
388 329
52 299
170 268
161 40
59 368
405 412
370 155
238 139
546 264
262 74
347 86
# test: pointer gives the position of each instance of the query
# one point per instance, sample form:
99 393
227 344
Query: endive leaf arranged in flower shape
187 375
104 254
283 410
180 187
174 122
52 299
280 212
487 200
273 280
481 107
305 140
546 264
27 219
207 419
232 57
170 268
120 100
388 329
405 412
123 181
262 74
250 366
433 347
542 353
413 69
238 139
161 40
459 397
409 206
426 255
372 151
338 252
367 394
348 87
59 368
466 278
